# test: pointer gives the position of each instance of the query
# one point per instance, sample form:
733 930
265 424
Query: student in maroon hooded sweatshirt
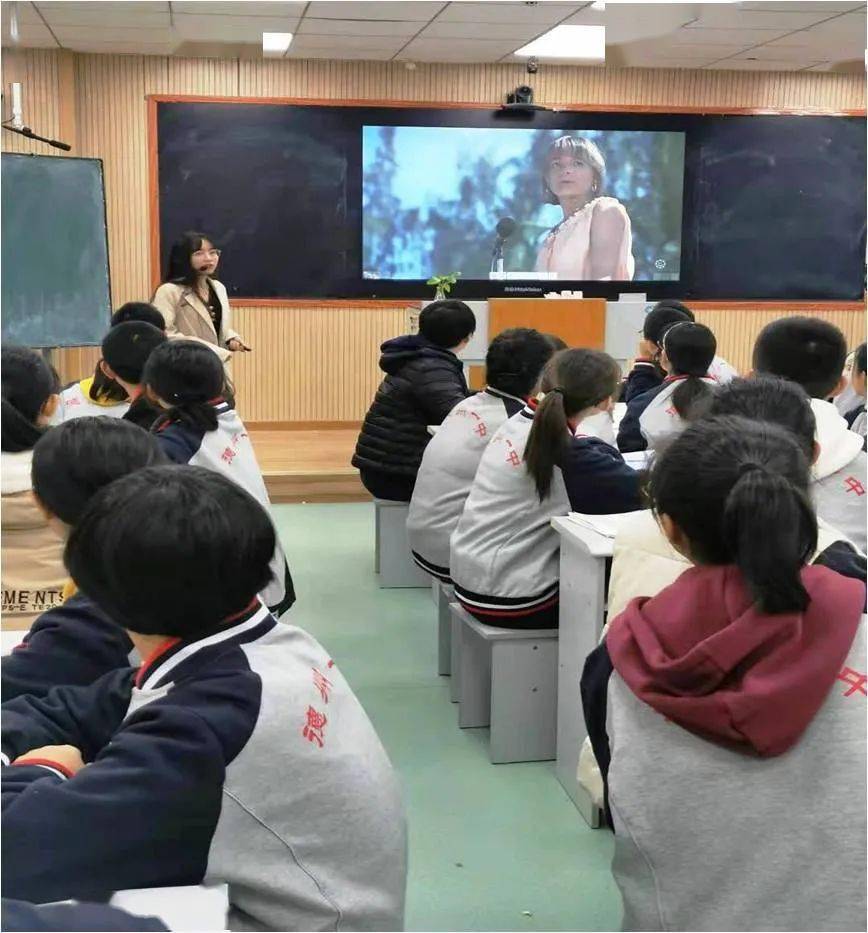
727 713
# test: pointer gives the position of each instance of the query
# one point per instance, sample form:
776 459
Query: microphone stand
497 257
26 131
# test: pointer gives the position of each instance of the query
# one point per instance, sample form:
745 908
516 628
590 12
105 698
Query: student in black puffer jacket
424 382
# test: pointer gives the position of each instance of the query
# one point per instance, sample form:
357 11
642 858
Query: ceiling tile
543 14
230 28
799 56
731 65
148 34
26 12
521 32
732 16
30 36
106 14
242 8
743 37
363 9
351 27
453 50
662 51
122 48
823 6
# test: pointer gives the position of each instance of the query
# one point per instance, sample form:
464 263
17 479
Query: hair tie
750 467
558 391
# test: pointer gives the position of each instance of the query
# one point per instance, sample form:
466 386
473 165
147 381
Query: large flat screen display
514 203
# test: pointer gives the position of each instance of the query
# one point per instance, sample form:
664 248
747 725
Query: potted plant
443 284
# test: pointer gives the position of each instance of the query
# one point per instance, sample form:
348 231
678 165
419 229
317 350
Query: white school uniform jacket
651 421
446 474
75 402
228 450
840 474
504 553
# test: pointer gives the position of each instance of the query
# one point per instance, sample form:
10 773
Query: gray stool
442 598
508 681
392 558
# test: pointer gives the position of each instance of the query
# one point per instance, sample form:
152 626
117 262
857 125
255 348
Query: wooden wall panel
319 363
736 331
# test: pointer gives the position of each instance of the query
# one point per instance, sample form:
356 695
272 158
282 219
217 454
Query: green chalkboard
55 274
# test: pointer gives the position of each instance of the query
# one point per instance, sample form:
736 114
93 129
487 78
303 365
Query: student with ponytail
718 708
653 418
32 554
504 552
187 380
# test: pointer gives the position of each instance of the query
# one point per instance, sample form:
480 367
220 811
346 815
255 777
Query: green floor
491 847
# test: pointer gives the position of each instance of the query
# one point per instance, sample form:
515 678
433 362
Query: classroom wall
317 362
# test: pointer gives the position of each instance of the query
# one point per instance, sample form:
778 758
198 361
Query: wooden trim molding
496 105
303 425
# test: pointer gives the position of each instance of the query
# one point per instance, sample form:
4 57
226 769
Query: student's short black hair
805 350
187 375
515 360
126 348
738 490
772 399
73 461
28 381
172 550
557 343
447 322
859 360
139 311
662 316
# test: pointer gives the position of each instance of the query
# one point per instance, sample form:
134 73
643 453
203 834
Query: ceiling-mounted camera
532 65
521 100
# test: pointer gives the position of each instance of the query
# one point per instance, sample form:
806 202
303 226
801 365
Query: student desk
582 613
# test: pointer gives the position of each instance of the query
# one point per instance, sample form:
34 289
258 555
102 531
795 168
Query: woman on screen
594 241
193 303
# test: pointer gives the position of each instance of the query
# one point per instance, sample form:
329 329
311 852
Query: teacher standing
193 303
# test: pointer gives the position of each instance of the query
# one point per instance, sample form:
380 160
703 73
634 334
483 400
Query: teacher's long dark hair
189 377
179 268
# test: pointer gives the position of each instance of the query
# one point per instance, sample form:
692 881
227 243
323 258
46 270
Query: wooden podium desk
579 322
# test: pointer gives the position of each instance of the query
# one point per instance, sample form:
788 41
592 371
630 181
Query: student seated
644 561
75 643
186 379
125 350
32 554
513 364
646 372
236 753
100 394
504 553
811 353
21 917
424 382
728 712
856 417
653 418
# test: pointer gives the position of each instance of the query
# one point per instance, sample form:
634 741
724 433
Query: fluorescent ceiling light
587 43
275 43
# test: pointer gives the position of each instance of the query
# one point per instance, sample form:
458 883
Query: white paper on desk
190 907
606 525
638 459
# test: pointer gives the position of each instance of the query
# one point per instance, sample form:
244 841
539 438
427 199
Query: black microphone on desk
505 228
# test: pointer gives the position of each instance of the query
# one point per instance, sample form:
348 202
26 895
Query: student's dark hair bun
188 376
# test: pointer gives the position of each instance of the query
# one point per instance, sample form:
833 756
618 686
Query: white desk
582 614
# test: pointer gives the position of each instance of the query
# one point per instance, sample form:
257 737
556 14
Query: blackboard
773 204
55 284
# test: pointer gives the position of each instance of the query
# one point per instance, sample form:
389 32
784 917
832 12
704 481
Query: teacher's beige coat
187 317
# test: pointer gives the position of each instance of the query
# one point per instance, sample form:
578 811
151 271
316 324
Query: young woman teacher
194 304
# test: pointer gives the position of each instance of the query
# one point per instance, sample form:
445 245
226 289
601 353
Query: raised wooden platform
309 465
